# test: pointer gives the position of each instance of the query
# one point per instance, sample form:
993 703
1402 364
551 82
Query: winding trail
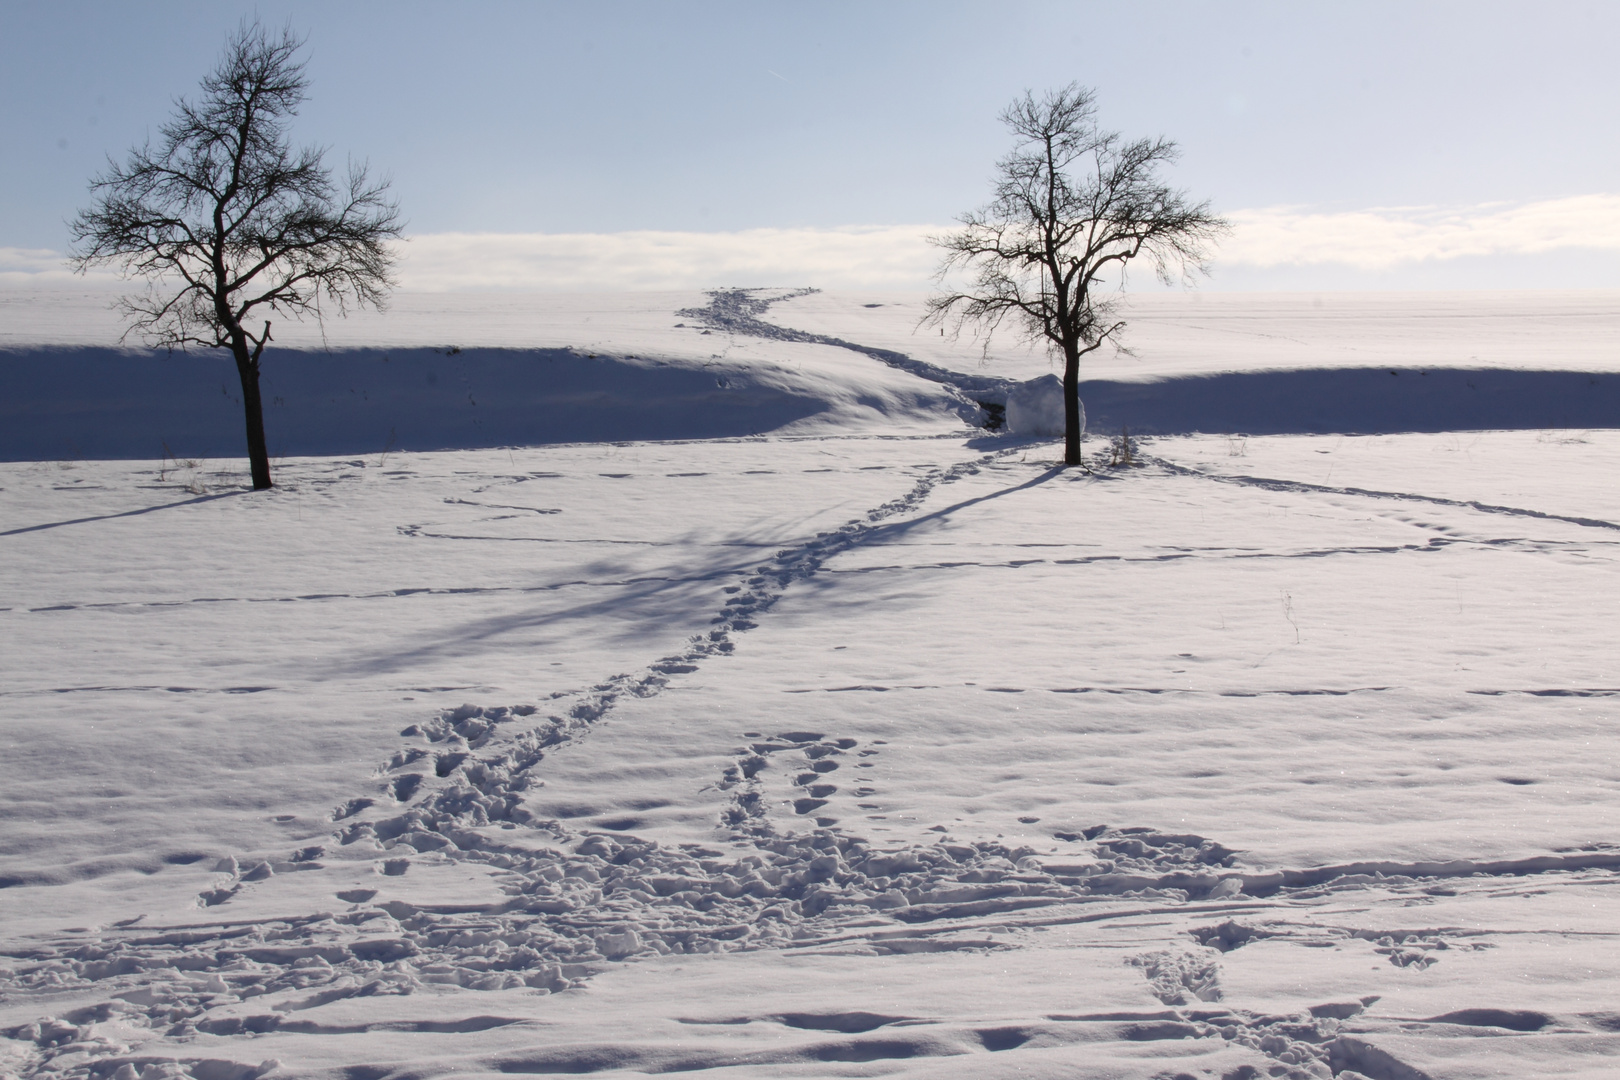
738 311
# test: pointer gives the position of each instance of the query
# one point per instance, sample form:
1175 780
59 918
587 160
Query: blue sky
1465 129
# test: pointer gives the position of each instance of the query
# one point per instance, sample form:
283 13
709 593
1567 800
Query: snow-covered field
872 745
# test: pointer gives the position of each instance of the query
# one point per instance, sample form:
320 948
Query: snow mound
1036 408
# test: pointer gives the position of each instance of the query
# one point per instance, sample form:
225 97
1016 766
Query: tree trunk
1071 408
253 406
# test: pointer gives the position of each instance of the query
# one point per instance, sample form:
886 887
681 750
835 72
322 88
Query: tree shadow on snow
647 609
122 513
887 533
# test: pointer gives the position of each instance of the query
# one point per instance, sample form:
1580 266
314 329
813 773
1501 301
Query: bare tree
227 223
1073 206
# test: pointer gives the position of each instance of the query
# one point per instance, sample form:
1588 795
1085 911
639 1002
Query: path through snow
507 894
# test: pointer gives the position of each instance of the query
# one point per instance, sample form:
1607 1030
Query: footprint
215 897
1179 978
750 804
403 758
405 787
350 808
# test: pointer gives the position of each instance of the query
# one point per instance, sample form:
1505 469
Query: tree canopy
227 223
1073 206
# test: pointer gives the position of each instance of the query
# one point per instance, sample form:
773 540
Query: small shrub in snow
1123 450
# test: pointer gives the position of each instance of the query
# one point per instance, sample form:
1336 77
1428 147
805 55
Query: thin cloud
35 266
1382 238
854 257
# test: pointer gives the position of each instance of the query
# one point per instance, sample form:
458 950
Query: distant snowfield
869 745
1203 333
1173 334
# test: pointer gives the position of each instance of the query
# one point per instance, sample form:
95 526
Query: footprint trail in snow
782 875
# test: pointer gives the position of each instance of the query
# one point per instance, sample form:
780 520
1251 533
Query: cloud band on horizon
898 257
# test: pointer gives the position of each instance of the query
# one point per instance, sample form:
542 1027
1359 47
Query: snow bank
1358 401
77 402
80 404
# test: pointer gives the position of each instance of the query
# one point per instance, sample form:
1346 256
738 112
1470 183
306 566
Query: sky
636 145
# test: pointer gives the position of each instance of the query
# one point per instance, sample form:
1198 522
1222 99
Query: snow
870 744
1177 334
1036 408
